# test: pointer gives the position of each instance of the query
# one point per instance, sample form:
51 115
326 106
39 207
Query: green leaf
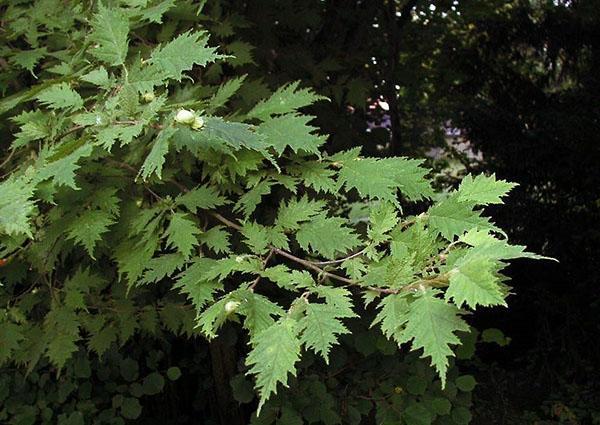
296 211
257 237
224 93
385 177
241 52
34 125
483 190
258 311
161 267
321 328
417 414
173 373
452 218
16 206
109 37
155 13
465 383
285 100
153 383
61 327
431 324
473 283
156 158
60 96
131 408
181 54
327 236
392 316
10 337
212 318
275 353
182 233
241 389
291 130
87 228
101 341
62 168
250 200
194 283
217 239
316 175
236 135
27 59
383 218
202 197
98 77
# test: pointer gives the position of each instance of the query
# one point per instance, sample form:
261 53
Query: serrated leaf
321 328
111 28
258 311
483 190
60 96
250 200
181 54
212 318
257 237
202 197
101 340
452 218
27 59
156 158
327 236
385 177
10 337
98 77
217 239
160 267
383 218
296 211
285 100
473 283
87 228
316 175
291 130
62 332
193 282
62 169
182 233
431 324
155 13
241 52
224 93
275 353
235 135
392 316
35 125
16 206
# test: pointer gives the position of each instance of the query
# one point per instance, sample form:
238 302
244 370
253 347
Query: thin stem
8 158
341 260
264 264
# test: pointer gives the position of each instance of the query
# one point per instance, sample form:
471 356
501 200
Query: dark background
518 81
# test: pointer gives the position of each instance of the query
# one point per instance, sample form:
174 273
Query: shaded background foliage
496 86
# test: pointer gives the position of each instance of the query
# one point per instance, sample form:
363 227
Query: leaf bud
148 97
231 306
198 123
185 117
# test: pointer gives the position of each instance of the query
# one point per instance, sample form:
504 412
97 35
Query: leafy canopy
133 185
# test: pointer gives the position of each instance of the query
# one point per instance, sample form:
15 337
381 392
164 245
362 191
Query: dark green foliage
153 192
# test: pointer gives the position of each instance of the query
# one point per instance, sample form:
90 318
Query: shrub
137 201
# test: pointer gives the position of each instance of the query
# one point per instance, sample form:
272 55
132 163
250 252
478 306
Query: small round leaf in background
173 373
